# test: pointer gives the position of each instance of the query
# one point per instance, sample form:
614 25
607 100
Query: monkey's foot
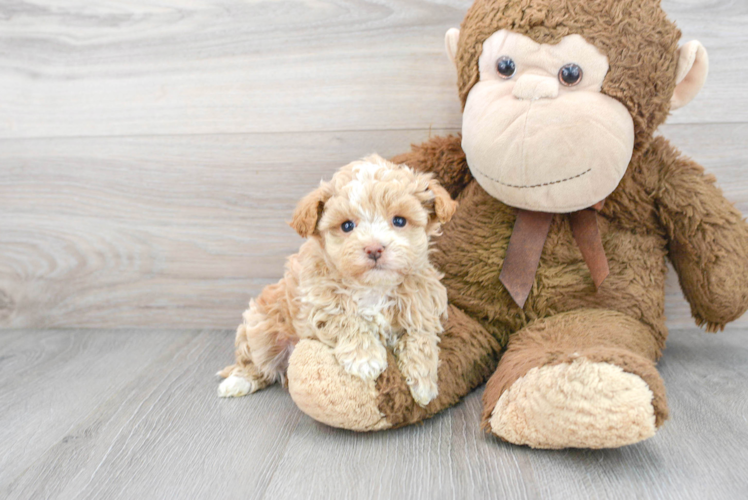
581 404
322 389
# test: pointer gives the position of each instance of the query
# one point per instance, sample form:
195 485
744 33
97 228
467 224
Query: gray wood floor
134 414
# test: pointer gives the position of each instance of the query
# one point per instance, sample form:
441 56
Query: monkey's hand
442 156
708 241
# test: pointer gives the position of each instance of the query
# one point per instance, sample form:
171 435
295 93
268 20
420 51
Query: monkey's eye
570 75
347 226
506 67
399 221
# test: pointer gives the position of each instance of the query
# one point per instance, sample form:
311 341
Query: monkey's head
559 95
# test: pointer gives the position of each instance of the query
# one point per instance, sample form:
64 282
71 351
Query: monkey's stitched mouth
534 185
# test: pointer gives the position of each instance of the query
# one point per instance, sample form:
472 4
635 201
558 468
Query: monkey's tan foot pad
322 389
577 405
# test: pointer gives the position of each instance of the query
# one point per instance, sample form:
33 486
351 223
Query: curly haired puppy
362 281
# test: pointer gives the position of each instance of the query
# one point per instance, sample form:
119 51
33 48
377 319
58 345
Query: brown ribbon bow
526 246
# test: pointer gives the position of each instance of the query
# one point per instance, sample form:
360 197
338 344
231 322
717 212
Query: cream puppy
361 282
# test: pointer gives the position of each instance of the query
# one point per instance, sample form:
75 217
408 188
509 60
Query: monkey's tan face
538 132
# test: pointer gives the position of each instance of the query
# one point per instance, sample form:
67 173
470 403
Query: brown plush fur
665 208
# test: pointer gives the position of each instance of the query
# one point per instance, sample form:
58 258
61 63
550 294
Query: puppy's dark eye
506 67
570 75
347 226
399 221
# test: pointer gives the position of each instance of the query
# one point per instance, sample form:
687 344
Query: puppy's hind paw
365 363
235 387
423 391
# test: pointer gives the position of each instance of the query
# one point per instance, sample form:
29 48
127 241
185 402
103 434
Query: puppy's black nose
374 251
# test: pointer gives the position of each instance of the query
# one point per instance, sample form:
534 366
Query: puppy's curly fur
361 282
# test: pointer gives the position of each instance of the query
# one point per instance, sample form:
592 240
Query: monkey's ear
444 205
309 210
450 43
693 66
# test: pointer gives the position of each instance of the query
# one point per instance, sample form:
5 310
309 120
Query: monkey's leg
322 389
582 379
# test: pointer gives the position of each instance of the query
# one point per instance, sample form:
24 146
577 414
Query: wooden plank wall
150 152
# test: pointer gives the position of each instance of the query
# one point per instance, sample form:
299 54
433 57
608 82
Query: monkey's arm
444 157
708 239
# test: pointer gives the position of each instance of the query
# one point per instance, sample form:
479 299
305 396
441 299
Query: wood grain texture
182 231
150 154
83 68
50 379
161 432
177 231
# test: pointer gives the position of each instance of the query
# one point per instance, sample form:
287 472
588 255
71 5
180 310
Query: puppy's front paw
418 361
365 360
423 390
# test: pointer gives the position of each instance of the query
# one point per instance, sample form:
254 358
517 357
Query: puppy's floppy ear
444 205
309 210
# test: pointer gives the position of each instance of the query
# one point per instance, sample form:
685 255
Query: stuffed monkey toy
570 208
